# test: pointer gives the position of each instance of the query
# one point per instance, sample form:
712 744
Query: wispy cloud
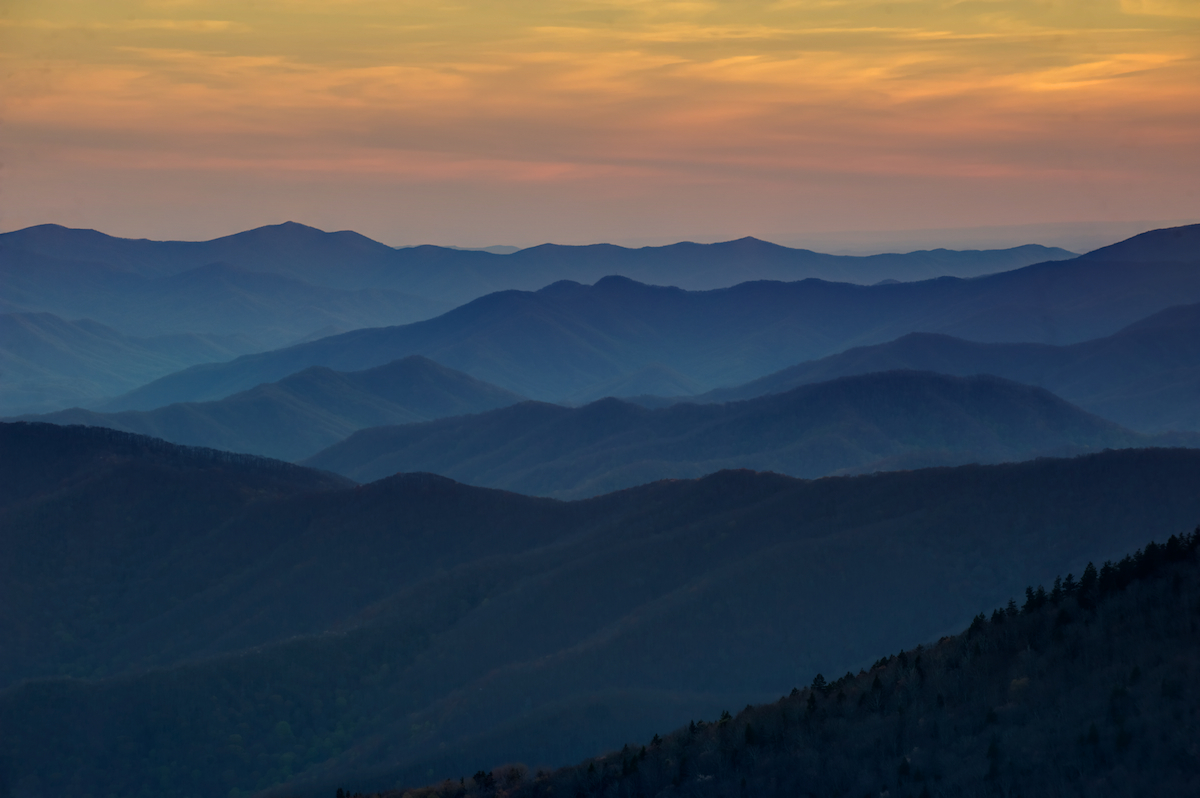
609 90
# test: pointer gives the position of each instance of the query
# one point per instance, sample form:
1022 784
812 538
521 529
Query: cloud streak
627 98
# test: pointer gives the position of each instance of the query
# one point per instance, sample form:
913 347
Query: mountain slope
566 338
214 298
855 424
442 625
128 497
1146 376
1173 244
47 361
1083 691
308 411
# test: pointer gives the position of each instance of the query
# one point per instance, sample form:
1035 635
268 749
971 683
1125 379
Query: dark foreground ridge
1087 689
182 623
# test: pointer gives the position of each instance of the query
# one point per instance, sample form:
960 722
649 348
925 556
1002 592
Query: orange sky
481 122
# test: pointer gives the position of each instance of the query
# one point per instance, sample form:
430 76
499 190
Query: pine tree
1069 585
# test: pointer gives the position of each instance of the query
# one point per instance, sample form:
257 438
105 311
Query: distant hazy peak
42 233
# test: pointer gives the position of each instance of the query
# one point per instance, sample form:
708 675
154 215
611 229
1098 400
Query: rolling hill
308 411
1146 376
875 422
567 338
234 623
47 362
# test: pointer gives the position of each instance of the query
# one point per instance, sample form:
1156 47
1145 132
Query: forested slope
1087 689
235 635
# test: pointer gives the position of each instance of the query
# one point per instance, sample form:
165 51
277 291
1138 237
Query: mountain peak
749 244
616 281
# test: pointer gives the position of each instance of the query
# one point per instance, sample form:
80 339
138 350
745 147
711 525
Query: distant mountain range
351 262
568 339
876 422
286 284
1146 376
241 623
308 411
46 361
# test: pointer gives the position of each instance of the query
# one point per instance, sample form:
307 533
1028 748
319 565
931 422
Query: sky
481 122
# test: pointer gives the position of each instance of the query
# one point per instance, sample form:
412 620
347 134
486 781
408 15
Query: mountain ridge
456 275
1145 376
566 338
880 421
611 617
307 411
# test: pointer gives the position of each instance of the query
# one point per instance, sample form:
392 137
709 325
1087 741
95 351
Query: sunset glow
478 122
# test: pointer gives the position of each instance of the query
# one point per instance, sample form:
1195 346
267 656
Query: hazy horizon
477 125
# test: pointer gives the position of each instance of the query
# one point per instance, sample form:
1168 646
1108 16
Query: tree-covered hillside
1086 689
183 622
